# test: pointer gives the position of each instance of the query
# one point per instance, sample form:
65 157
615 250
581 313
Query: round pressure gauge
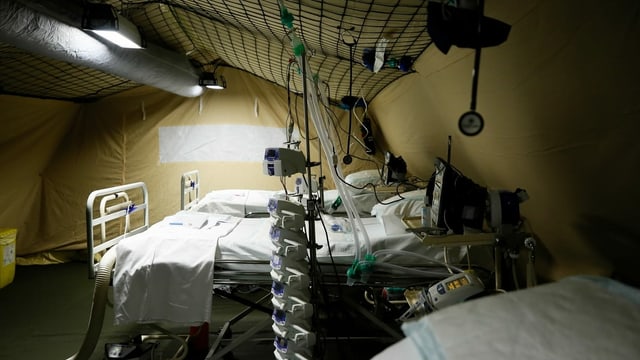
471 123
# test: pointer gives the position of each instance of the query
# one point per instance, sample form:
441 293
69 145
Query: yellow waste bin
7 256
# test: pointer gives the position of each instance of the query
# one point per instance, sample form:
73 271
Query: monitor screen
395 169
456 201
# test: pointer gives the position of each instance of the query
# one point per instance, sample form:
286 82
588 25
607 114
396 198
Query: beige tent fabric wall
127 143
78 148
31 131
561 121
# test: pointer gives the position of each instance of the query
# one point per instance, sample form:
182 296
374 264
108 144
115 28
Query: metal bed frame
121 207
189 189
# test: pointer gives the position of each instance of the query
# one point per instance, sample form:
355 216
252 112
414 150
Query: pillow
410 204
362 178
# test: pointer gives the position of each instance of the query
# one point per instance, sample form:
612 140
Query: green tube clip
285 17
297 45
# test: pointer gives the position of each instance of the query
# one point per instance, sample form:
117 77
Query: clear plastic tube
408 253
336 172
415 271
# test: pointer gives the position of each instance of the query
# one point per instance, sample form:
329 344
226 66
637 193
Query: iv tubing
311 101
408 253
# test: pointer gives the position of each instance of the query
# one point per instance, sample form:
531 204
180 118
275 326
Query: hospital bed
214 249
578 317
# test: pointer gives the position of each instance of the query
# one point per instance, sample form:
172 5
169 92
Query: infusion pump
450 291
454 289
283 162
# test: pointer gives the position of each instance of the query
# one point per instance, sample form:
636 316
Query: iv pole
310 201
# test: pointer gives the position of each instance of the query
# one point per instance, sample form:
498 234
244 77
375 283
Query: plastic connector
360 270
367 264
392 63
297 45
287 20
285 16
352 273
366 267
335 205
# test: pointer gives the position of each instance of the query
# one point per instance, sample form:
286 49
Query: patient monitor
283 162
457 202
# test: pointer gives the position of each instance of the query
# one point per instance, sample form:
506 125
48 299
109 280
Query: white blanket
166 273
581 317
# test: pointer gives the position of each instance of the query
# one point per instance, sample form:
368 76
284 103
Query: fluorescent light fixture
104 21
209 80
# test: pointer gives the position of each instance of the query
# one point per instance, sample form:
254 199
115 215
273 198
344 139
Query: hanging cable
347 159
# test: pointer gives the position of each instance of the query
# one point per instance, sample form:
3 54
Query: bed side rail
115 204
189 189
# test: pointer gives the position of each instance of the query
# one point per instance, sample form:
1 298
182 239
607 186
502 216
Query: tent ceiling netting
243 34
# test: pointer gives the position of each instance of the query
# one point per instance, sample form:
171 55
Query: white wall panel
244 143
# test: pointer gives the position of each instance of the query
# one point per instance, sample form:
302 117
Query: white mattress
579 318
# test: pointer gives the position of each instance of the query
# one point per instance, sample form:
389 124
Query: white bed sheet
165 273
580 317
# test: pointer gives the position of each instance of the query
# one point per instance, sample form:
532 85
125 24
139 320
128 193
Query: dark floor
44 314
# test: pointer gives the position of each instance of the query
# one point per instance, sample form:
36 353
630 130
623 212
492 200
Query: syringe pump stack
292 311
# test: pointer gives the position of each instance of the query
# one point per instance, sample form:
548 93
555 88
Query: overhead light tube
210 81
104 21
